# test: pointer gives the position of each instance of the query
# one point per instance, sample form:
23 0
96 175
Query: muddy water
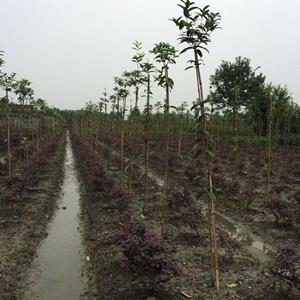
251 242
57 270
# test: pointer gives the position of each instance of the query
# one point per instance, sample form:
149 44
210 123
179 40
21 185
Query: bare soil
243 276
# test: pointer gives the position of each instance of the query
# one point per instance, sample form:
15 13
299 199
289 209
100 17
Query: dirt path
56 272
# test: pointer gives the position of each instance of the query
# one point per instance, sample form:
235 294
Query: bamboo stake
269 149
214 250
167 137
146 192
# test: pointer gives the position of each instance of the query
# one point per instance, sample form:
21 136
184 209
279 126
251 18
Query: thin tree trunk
167 137
214 248
269 149
122 144
8 135
179 140
136 97
131 142
146 191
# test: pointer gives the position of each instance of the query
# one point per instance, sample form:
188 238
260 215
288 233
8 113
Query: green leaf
186 49
190 67
212 196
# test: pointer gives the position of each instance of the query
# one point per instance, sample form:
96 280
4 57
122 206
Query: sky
71 49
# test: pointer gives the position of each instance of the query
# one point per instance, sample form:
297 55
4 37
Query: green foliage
7 81
40 105
235 84
147 68
121 86
1 59
196 26
163 81
135 78
164 53
103 102
24 91
283 108
139 55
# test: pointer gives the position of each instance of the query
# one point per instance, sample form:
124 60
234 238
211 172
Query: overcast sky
71 49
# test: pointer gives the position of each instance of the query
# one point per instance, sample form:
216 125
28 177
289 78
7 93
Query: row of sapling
28 120
254 111
134 123
135 79
195 31
121 88
227 96
148 255
195 27
7 82
18 183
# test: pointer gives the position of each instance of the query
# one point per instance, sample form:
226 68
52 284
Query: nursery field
134 197
103 212
256 237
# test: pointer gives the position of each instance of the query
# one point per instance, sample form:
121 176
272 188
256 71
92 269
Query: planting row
123 257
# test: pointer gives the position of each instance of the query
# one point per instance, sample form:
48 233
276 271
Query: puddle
251 242
159 181
56 271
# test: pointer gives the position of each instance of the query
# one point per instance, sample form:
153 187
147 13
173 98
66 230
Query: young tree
196 26
121 87
40 109
25 93
136 75
147 69
165 54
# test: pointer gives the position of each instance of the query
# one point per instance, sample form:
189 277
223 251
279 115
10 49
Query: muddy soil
243 276
102 206
23 224
242 179
109 276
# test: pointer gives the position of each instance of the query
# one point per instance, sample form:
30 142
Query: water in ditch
56 271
